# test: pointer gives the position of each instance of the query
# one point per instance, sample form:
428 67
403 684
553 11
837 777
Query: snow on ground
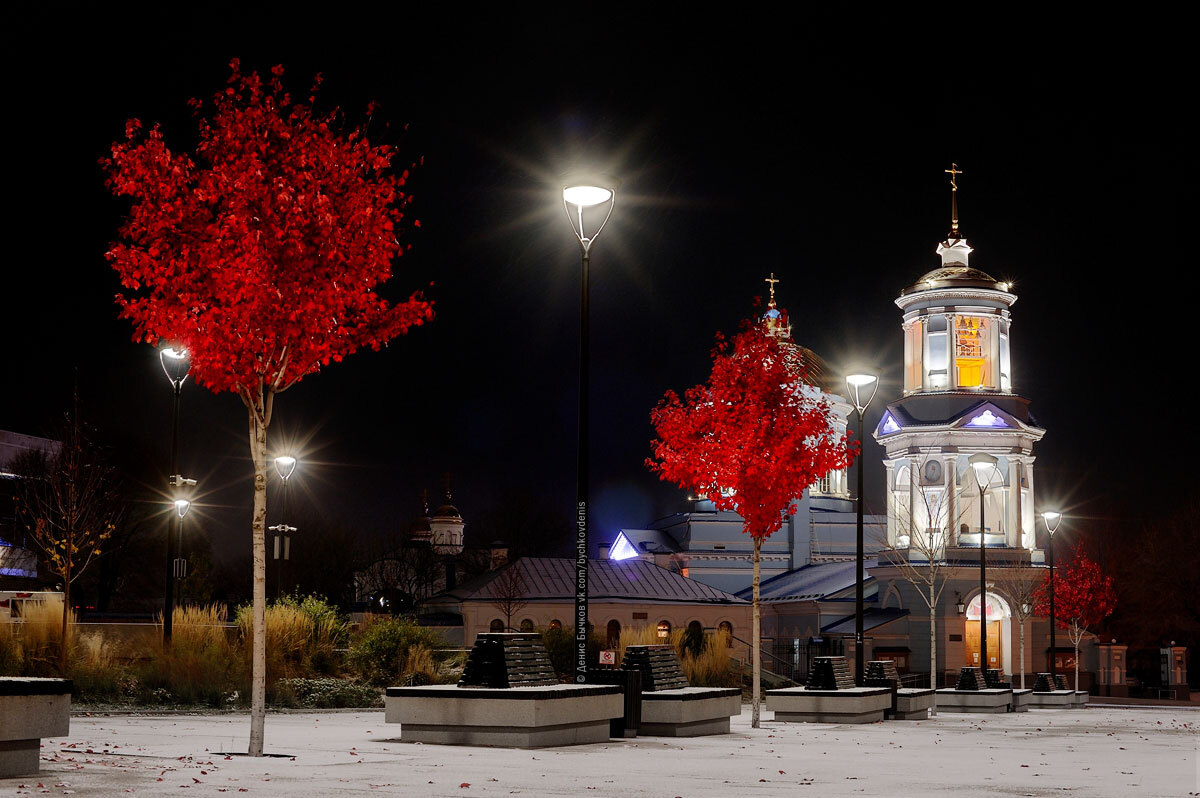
1087 752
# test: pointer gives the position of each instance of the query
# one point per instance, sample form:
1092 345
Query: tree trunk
1076 642
932 641
258 670
62 648
756 642
1022 620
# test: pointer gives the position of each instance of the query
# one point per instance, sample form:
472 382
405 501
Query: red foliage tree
260 256
751 439
1083 597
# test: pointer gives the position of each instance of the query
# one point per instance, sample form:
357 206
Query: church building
959 407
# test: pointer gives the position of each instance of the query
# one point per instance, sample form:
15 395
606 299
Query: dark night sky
745 148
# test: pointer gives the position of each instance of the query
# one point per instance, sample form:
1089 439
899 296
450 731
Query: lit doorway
999 653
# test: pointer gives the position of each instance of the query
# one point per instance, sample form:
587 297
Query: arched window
497 625
527 625
614 633
727 628
664 630
556 625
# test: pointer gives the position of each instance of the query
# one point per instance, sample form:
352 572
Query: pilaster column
950 465
1012 536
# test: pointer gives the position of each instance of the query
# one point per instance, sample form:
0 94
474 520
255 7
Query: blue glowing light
622 549
987 419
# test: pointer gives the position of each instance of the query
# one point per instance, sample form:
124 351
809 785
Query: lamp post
179 567
857 384
1051 519
284 466
176 364
584 191
984 466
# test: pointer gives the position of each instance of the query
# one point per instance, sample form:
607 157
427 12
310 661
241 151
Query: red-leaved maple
751 439
260 255
1083 597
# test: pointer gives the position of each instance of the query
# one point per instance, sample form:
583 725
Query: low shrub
381 652
325 694
560 645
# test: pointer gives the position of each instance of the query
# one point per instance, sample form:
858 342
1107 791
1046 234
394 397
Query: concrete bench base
912 704
854 705
1020 700
993 699
1081 698
31 709
689 711
1055 699
518 717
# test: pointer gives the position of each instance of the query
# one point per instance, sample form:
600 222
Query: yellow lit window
969 360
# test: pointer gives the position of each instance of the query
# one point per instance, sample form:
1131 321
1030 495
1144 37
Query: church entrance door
972 644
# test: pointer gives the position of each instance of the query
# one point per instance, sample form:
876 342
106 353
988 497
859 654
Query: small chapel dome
447 511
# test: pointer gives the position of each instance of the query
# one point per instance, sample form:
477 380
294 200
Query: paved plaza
1092 752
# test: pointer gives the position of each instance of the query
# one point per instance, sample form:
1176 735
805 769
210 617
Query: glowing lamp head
985 468
285 465
1051 518
584 196
858 384
176 364
182 506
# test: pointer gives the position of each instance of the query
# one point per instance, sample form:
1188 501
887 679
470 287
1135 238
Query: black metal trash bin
626 726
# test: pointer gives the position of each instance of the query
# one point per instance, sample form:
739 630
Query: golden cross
771 281
954 172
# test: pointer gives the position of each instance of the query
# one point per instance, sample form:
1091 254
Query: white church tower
958 400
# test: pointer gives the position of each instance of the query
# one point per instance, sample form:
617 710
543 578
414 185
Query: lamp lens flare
859 380
585 196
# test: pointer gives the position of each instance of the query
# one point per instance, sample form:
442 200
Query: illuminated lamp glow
987 419
586 196
621 548
285 465
889 425
859 380
182 506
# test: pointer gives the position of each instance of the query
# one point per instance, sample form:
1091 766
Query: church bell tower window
972 366
937 341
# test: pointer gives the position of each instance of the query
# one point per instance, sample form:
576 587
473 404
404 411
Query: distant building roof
810 583
553 579
873 618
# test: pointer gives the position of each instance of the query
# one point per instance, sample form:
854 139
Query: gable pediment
987 416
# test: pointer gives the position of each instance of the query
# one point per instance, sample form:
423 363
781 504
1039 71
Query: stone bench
514 717
1054 699
988 699
689 711
913 703
848 705
30 709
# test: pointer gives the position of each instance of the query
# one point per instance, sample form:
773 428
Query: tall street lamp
284 466
984 466
176 364
857 385
179 569
584 192
1051 519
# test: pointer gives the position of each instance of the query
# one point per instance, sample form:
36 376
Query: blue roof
872 618
812 582
553 579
